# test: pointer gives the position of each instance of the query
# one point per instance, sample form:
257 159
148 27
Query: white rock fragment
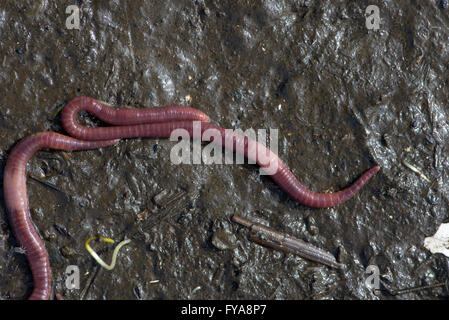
439 242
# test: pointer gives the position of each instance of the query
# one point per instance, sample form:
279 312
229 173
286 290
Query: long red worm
163 125
129 123
14 188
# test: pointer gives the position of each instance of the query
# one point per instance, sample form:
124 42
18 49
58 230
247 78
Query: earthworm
14 187
131 126
120 117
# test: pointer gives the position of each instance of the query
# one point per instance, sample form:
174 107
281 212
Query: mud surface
342 97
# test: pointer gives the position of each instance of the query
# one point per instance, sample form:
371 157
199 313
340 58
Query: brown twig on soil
280 241
396 292
90 281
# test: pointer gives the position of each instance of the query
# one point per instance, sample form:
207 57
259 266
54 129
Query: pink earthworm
123 119
163 123
14 188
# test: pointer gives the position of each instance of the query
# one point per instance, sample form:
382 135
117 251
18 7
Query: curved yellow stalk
114 254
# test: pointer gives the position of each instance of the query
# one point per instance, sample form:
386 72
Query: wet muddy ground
343 98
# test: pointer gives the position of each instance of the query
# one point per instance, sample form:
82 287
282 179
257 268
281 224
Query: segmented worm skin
130 123
14 186
131 126
120 117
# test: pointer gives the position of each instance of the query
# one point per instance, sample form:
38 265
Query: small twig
58 111
416 170
395 292
414 289
194 291
280 241
257 220
47 184
89 282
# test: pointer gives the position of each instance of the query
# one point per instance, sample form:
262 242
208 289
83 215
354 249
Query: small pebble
68 252
19 250
224 240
